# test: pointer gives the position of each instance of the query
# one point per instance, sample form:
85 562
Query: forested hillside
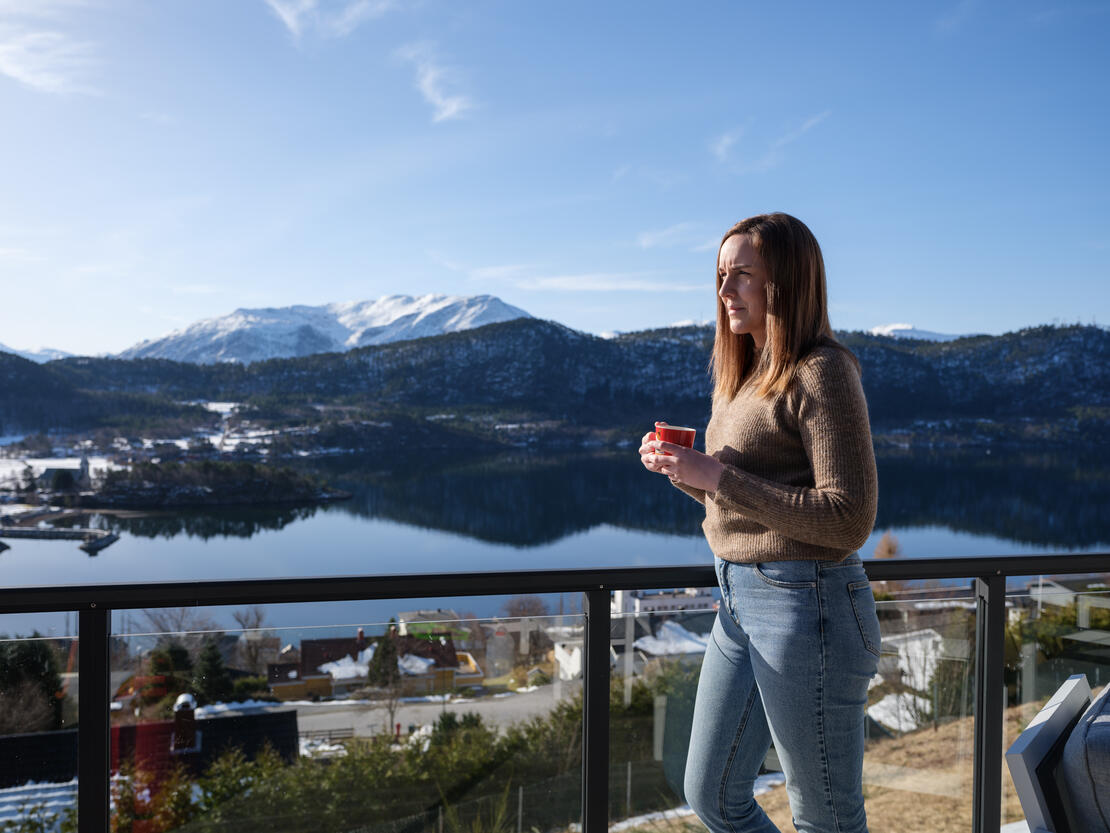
539 370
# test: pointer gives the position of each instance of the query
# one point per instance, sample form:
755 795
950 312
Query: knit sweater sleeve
695 493
838 511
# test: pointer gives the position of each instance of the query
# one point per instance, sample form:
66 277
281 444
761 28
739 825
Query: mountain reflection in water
1049 499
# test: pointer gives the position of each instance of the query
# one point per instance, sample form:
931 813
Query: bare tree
475 634
385 675
24 708
888 547
186 626
521 606
253 621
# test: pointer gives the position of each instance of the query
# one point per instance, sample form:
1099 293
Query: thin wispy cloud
197 289
532 277
158 117
12 254
794 135
500 273
674 235
437 83
327 19
445 262
955 17
722 145
774 153
35 50
43 9
607 282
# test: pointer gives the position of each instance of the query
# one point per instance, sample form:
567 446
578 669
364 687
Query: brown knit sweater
799 480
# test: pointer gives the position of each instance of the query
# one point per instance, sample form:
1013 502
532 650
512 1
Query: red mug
674 434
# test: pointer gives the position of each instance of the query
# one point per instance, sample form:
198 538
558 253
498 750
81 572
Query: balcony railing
95 604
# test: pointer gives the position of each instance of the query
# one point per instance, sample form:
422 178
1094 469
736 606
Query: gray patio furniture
1060 764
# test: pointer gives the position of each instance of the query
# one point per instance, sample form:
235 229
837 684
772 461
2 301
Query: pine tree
383 671
211 681
30 675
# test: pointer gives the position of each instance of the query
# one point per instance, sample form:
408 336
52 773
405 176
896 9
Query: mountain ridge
911 332
40 356
257 334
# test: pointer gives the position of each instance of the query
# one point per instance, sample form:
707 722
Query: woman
790 491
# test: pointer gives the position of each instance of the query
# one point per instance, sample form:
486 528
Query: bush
251 688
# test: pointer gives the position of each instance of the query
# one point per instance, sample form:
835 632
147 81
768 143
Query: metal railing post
93 743
595 713
990 632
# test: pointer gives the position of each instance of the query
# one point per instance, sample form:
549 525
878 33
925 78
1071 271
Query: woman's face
743 288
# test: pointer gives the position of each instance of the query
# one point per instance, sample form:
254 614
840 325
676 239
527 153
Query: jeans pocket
788 575
863 605
723 582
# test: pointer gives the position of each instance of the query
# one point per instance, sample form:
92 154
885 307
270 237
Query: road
366 719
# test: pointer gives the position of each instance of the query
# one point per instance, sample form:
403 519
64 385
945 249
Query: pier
94 539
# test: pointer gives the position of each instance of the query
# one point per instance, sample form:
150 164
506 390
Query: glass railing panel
440 725
658 639
38 723
919 733
1057 628
919 752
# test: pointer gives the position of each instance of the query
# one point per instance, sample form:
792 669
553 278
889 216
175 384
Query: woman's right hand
648 455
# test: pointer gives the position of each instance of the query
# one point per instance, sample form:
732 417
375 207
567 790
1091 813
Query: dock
94 539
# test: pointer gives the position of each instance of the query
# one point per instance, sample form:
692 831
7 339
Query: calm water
529 511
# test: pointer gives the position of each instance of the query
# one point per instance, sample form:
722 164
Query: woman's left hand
685 465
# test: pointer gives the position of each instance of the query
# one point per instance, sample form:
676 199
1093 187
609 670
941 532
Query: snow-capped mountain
46 354
910 331
250 335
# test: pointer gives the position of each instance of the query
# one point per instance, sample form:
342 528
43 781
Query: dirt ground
917 783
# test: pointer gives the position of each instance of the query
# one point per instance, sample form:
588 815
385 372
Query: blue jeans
792 651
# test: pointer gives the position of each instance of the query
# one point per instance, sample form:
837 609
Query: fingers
659 456
658 463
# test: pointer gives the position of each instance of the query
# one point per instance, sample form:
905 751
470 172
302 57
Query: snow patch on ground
214 709
896 711
428 698
320 748
672 639
764 783
10 467
54 798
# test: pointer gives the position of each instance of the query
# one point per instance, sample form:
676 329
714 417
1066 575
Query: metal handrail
96 601
122 595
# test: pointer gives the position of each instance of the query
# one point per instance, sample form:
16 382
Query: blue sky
174 160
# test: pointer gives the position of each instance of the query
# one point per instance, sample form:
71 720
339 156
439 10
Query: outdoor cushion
1085 767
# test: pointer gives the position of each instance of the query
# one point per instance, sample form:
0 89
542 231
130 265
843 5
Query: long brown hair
797 309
